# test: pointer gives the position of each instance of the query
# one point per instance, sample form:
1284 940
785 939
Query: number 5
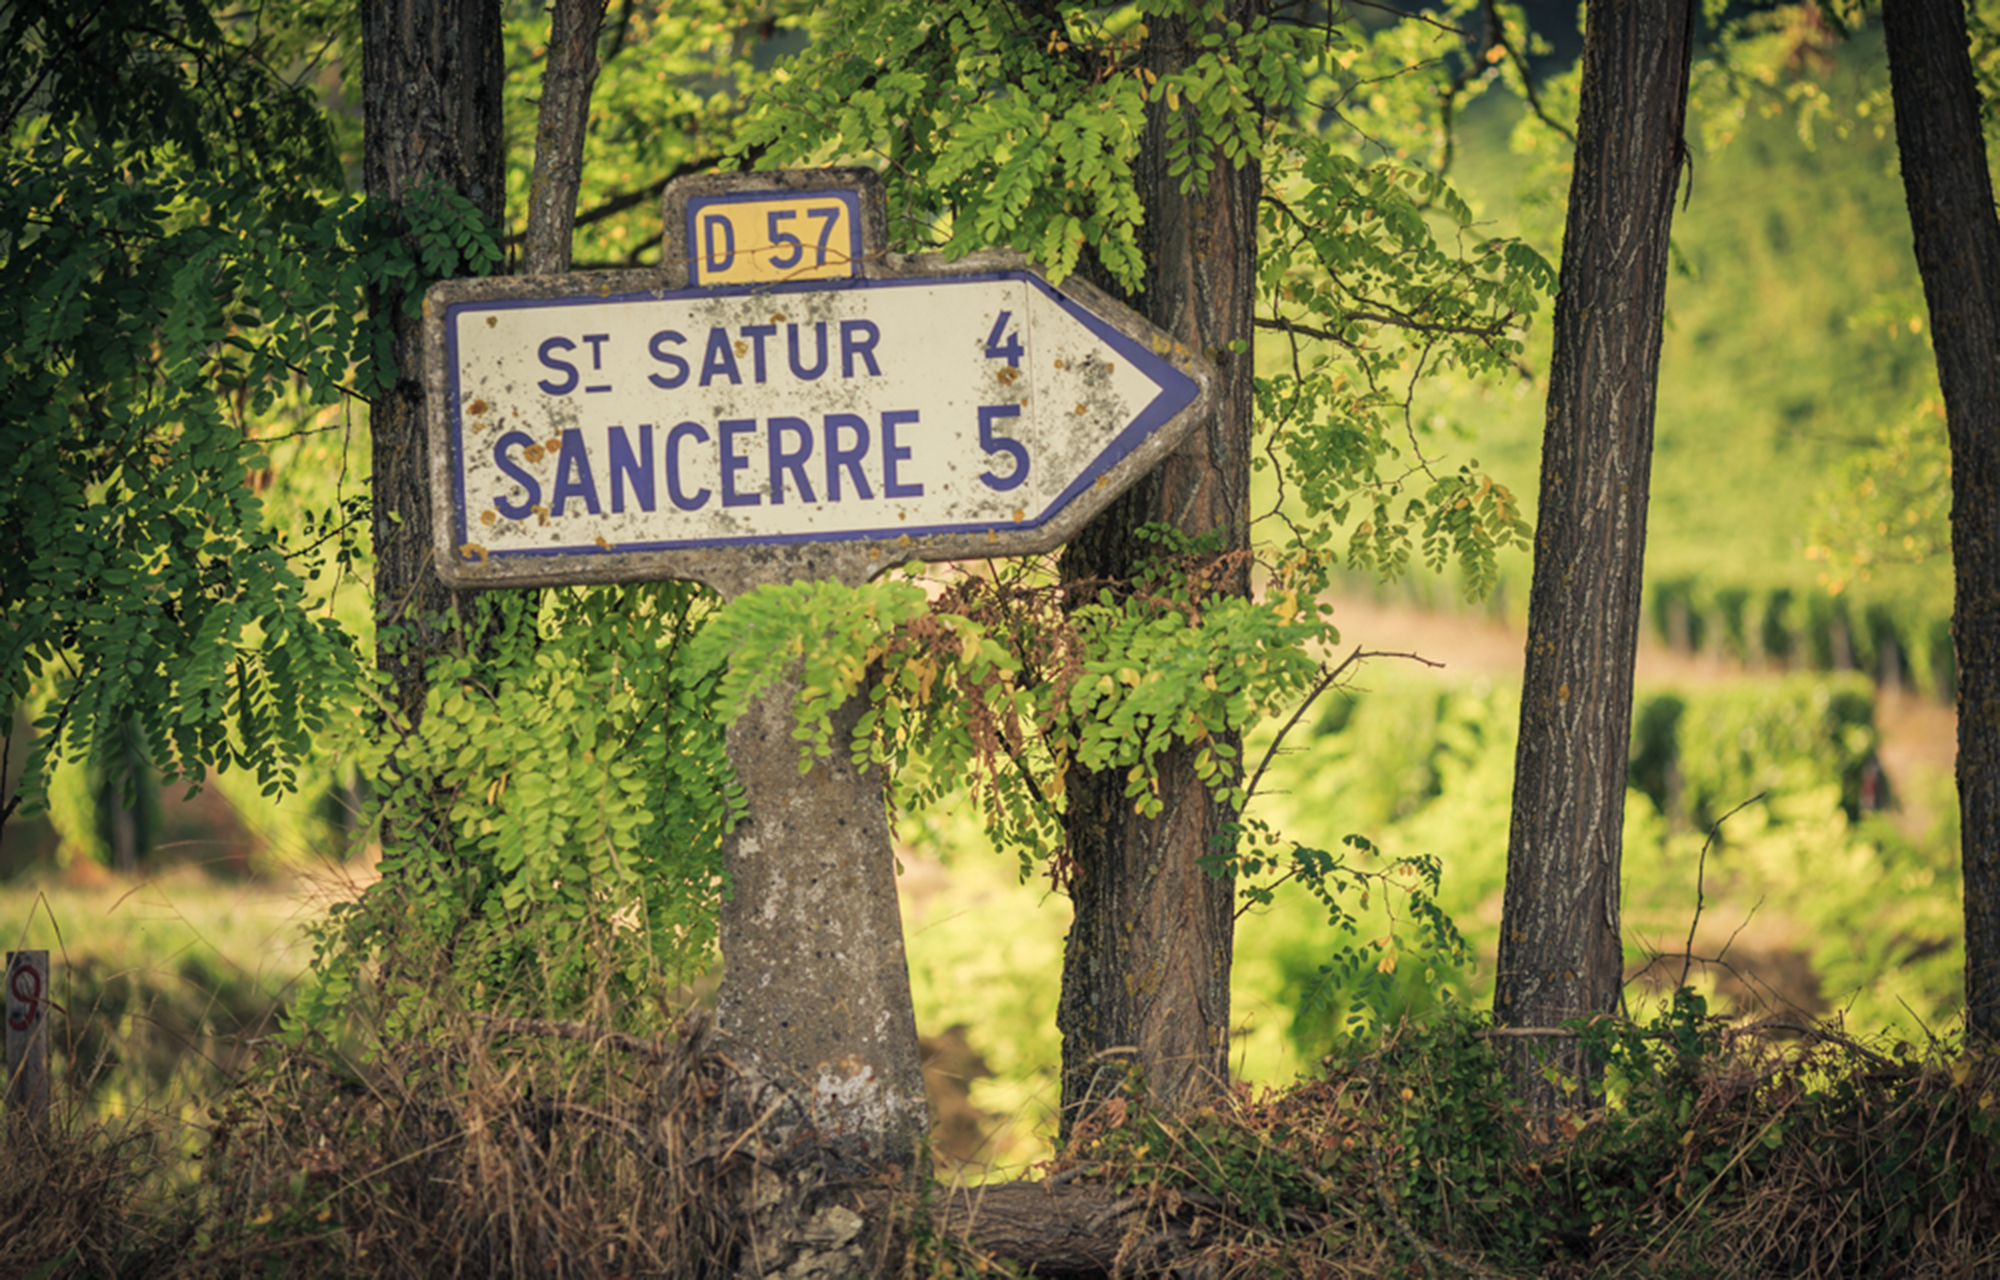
993 442
783 237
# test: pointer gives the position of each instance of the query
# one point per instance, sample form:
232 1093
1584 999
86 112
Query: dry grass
467 1152
1732 1153
69 1200
455 1145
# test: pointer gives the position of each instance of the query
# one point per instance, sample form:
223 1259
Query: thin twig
1754 909
1405 13
615 205
1320 686
1812 1031
1700 870
1391 320
1748 980
1499 30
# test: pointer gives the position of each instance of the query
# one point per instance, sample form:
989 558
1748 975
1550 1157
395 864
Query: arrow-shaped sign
629 433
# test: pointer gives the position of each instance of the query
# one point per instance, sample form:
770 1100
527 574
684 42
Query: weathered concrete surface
815 982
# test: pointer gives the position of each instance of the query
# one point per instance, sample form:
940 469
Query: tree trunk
1146 967
1560 955
561 125
1950 195
431 79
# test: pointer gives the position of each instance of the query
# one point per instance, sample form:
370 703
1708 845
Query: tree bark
431 79
1146 967
1950 195
1560 954
561 126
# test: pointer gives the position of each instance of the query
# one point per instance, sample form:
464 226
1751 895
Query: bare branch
1497 29
1424 18
1700 869
1320 686
1388 319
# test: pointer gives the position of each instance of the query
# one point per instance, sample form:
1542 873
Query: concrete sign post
786 401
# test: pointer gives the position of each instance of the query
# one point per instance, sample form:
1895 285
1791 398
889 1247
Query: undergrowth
421 1139
1711 1149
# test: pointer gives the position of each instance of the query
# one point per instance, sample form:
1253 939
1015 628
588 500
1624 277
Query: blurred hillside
1795 338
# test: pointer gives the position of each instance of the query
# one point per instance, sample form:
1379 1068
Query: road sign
782 401
615 427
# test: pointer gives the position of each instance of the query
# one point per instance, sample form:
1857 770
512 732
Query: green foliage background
1798 475
185 478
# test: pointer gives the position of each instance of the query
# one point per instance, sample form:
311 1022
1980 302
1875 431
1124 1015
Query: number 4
1006 348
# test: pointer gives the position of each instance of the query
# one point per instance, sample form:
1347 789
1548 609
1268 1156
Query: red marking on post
32 997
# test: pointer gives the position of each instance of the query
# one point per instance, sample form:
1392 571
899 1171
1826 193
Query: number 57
827 216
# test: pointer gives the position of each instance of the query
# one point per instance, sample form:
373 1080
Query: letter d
709 225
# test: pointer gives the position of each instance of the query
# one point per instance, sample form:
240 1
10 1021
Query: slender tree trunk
431 78
1950 195
1146 968
560 129
1560 955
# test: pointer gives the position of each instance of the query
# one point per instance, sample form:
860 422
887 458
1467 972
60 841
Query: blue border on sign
1177 392
847 196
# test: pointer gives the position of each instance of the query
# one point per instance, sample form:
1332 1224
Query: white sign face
873 409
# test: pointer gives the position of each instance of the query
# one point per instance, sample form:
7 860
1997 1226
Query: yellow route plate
772 237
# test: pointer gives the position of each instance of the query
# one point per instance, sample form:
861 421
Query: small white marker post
28 1041
787 401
